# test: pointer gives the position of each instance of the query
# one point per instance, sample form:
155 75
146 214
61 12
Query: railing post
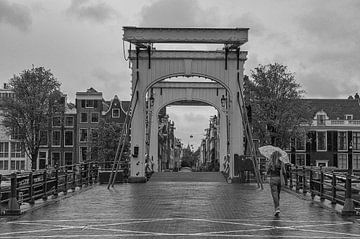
56 192
66 182
74 179
304 180
0 189
333 189
348 208
311 183
45 186
88 172
296 179
291 178
80 173
321 184
31 188
13 205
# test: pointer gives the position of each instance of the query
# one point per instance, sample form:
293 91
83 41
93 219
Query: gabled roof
335 108
125 106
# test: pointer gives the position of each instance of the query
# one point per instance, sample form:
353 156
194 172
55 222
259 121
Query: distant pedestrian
276 170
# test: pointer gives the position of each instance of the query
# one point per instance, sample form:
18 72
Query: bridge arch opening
188 137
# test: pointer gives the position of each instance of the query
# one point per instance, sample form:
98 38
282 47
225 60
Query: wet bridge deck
179 209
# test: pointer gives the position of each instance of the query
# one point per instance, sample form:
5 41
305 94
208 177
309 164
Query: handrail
334 185
28 187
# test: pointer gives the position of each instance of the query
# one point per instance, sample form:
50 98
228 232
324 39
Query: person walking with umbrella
276 170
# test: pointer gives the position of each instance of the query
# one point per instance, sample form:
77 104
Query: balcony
336 123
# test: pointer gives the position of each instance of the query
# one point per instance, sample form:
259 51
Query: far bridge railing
339 186
32 186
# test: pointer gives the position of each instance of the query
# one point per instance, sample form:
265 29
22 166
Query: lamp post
348 208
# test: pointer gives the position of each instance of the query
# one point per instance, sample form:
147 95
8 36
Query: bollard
333 189
13 205
348 209
44 197
31 188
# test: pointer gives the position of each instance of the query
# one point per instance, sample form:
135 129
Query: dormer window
349 117
321 117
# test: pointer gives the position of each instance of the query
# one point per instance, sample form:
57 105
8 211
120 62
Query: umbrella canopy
268 150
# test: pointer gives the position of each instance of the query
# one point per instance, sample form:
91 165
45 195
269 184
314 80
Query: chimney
5 86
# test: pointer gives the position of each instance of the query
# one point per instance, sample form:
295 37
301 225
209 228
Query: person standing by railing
276 170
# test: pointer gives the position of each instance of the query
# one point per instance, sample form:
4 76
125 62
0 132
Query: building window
17 165
116 113
320 119
42 159
94 134
56 121
349 117
356 140
83 154
56 138
55 157
68 158
4 165
95 117
17 150
15 134
90 104
321 140
69 121
4 149
43 134
68 138
300 144
83 135
342 141
356 161
300 159
342 161
83 118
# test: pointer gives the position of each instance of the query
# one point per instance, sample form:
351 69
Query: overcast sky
81 41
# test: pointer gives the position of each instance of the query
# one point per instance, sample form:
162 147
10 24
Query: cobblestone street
179 210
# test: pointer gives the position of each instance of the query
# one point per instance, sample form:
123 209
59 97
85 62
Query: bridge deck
174 209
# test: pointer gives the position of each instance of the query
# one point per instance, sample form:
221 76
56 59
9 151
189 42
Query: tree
277 111
105 141
37 98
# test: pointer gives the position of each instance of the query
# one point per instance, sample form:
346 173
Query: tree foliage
106 140
276 106
37 98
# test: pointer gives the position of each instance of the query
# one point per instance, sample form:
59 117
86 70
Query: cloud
98 12
329 53
107 81
174 13
15 15
250 21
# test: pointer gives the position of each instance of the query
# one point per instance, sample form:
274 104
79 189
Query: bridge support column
137 168
223 139
154 142
236 129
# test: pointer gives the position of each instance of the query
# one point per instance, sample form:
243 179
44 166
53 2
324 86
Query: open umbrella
268 150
